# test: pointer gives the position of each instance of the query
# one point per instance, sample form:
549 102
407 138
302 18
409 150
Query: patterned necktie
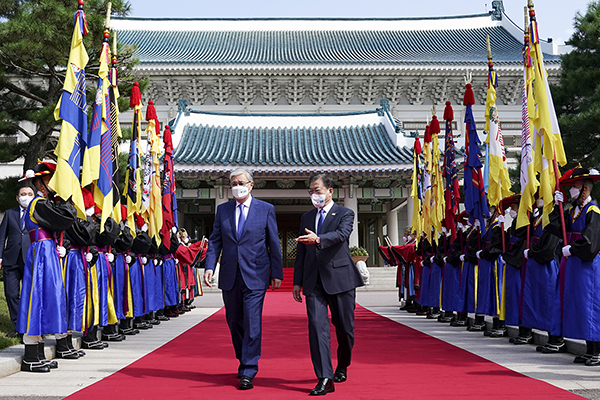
22 219
321 219
241 221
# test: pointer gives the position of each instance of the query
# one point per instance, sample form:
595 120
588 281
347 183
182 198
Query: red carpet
391 361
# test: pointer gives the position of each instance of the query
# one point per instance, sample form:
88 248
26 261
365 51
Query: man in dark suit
327 276
245 230
14 240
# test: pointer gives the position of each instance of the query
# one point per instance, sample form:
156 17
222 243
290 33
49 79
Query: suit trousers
13 275
342 306
243 312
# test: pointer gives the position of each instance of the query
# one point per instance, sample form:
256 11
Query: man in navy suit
14 243
245 236
328 277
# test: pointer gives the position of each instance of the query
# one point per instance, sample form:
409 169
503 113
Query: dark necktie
321 219
241 221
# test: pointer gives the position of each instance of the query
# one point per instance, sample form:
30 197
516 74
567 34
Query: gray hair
240 171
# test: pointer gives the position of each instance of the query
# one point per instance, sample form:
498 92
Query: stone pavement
556 369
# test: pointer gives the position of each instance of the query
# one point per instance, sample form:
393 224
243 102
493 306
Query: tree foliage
577 98
35 40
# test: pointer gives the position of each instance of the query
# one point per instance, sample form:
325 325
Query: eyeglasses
234 184
316 191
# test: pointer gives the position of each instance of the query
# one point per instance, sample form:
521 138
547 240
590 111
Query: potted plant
358 254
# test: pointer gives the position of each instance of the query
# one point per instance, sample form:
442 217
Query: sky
555 17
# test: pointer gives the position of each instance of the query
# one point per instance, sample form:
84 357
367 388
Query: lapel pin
332 214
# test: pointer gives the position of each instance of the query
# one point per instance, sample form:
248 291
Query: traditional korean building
289 97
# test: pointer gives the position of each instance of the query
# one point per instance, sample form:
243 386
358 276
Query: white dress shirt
246 207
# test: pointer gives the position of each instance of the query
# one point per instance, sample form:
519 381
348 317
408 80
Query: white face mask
405 239
574 192
240 192
25 200
513 214
318 200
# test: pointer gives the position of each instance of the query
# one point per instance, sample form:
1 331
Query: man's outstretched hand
309 238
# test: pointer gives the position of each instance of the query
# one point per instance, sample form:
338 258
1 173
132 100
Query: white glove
145 228
110 257
160 262
144 260
443 229
128 259
155 261
89 257
500 219
460 225
526 254
566 251
479 254
501 259
445 260
431 259
176 261
462 257
174 229
476 224
62 252
558 197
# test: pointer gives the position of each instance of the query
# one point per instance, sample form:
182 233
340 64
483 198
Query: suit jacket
14 240
257 253
331 260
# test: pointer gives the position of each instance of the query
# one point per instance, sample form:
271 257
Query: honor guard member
120 249
452 299
425 251
409 254
43 306
490 272
581 316
541 292
513 266
80 235
468 279
141 247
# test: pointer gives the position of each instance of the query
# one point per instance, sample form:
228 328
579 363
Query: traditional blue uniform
43 306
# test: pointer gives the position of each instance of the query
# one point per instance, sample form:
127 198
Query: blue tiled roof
355 145
452 46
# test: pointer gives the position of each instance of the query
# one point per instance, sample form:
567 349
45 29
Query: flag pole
532 17
490 69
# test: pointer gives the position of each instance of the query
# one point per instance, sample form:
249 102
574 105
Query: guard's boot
589 353
126 327
461 319
478 325
169 312
80 352
31 362
595 359
90 340
149 318
139 323
434 314
160 315
110 333
63 350
447 316
42 357
425 310
408 304
556 344
525 336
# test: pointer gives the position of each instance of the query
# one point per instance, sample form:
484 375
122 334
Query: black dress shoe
340 375
323 387
246 383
